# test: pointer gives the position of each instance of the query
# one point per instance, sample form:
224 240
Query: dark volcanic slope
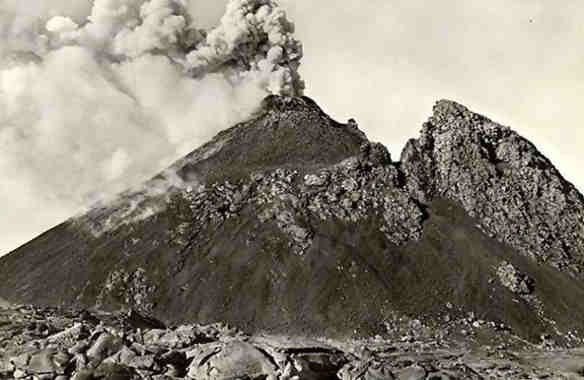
294 223
282 135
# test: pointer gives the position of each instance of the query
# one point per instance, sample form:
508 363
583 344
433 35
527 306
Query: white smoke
241 39
96 98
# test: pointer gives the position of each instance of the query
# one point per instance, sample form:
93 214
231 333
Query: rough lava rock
113 349
502 180
514 280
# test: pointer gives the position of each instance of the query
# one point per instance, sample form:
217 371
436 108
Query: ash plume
97 97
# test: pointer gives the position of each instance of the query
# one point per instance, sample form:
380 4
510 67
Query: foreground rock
43 343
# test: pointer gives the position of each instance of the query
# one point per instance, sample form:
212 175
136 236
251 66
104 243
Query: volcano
293 223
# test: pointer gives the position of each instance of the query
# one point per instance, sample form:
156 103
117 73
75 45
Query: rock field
49 343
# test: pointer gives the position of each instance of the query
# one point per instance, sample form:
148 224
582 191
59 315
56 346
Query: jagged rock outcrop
292 223
500 179
514 280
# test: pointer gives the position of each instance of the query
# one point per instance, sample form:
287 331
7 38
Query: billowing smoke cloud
97 97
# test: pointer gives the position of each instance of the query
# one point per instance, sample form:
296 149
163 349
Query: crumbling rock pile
357 188
57 344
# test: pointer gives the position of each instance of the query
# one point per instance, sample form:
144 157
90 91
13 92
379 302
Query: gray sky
384 62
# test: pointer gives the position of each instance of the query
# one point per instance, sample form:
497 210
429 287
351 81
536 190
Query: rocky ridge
501 179
496 175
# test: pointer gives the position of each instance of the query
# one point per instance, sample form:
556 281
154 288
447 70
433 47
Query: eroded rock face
132 290
357 188
501 179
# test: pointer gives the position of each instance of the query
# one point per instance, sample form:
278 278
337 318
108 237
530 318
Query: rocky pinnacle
502 180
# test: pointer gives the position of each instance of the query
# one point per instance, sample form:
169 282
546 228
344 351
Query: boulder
105 346
236 359
366 370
